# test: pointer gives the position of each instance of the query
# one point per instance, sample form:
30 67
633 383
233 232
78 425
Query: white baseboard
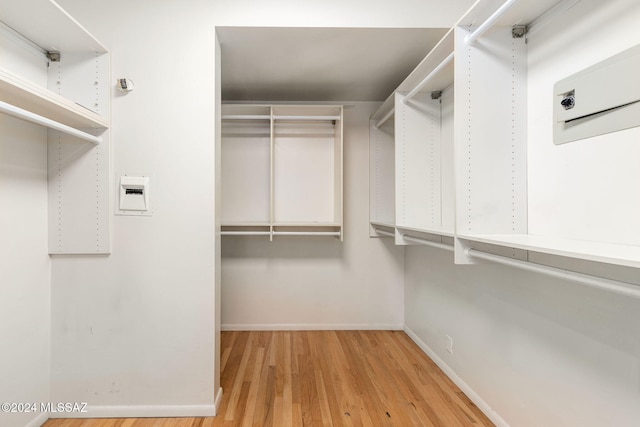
218 401
142 411
312 327
471 394
39 420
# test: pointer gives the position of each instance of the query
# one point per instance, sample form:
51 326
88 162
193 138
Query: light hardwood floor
324 378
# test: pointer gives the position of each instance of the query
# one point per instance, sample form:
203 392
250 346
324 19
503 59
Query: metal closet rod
383 232
616 286
385 118
427 79
28 116
427 242
472 37
319 118
280 233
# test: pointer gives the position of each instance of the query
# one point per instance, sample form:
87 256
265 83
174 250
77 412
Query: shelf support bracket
53 56
519 31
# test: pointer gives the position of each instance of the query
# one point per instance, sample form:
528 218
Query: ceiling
319 64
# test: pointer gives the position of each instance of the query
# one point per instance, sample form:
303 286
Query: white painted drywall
542 351
316 282
538 351
24 269
133 333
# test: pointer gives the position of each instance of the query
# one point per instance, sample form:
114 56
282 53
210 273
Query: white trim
312 327
218 402
471 394
39 420
142 411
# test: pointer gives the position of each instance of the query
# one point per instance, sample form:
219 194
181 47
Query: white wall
539 351
319 283
24 268
133 333
24 262
542 351
137 327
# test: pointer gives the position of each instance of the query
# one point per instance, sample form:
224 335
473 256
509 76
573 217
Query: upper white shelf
39 100
246 117
438 81
519 13
47 25
440 231
592 251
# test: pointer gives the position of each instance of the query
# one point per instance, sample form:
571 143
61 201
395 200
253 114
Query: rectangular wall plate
133 194
600 99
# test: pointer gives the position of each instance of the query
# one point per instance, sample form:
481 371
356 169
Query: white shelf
246 117
434 230
306 224
522 12
515 181
71 96
610 253
39 100
245 224
438 82
282 168
411 160
47 25
382 224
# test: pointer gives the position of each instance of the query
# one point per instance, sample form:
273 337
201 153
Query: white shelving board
381 174
246 172
415 157
570 212
610 253
76 93
282 169
306 155
418 162
440 231
39 100
47 25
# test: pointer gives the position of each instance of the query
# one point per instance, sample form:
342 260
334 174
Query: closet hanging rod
384 233
427 242
616 286
43 121
385 118
427 79
482 28
315 118
307 233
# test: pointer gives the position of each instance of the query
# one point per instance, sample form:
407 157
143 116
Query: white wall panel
538 351
24 268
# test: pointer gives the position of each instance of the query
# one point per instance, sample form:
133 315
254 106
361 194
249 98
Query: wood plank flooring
324 378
